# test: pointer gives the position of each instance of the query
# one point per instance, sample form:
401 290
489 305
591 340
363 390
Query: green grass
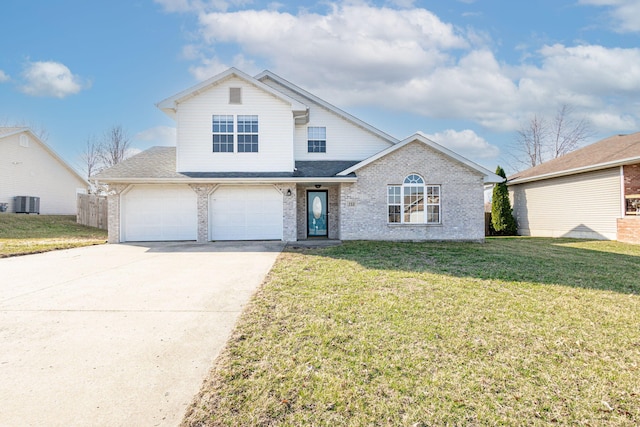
28 234
516 331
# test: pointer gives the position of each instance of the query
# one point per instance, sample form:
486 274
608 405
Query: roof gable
489 177
170 105
610 152
268 75
6 132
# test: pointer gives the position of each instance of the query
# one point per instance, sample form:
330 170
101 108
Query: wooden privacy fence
92 210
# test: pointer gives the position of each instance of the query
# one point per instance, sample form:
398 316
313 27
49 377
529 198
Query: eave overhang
575 171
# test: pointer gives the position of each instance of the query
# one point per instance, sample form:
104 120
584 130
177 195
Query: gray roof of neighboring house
610 152
160 163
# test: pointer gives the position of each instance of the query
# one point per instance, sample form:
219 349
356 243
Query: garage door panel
246 213
156 213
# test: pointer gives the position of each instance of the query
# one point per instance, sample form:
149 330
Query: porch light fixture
318 185
288 192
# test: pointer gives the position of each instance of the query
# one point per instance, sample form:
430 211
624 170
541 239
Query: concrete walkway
118 335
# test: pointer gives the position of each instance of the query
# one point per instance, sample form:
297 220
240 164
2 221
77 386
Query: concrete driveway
118 335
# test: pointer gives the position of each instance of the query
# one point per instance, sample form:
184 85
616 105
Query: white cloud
375 44
50 78
4 77
625 13
159 135
356 54
466 142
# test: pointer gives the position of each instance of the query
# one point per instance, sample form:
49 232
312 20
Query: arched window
413 202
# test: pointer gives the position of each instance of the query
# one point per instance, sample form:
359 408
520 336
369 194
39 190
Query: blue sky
468 73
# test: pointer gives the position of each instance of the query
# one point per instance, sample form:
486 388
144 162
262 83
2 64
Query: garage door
246 213
160 212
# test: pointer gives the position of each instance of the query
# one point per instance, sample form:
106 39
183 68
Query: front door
317 225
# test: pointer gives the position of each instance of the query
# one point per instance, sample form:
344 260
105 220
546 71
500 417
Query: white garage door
160 212
246 213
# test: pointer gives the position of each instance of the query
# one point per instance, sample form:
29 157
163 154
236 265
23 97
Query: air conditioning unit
27 204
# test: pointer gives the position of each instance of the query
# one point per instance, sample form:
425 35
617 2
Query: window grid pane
222 127
433 204
316 139
394 201
414 204
247 134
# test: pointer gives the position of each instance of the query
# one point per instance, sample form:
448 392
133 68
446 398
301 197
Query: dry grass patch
28 234
512 332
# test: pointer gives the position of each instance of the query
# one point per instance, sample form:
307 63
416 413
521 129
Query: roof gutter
224 180
575 171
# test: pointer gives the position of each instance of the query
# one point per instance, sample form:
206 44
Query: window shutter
235 95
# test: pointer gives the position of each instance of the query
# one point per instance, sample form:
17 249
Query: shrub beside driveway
516 331
26 234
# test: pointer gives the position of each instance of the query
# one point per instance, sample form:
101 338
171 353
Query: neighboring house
591 193
259 158
29 167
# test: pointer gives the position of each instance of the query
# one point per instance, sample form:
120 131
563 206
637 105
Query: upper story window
227 129
247 134
407 203
316 139
222 134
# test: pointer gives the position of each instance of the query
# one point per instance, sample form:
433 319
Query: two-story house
259 158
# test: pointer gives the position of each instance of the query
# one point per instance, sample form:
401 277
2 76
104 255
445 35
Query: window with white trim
407 203
316 139
247 134
225 133
222 134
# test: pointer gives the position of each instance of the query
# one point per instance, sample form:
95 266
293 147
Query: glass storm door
317 213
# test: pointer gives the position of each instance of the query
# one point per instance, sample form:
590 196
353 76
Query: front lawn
516 331
26 234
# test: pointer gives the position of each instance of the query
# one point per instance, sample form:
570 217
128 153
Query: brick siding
629 230
363 205
632 179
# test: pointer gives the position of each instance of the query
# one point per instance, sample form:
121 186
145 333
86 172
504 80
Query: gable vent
235 95
24 141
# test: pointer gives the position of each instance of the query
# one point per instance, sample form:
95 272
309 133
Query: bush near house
502 220
22 234
516 331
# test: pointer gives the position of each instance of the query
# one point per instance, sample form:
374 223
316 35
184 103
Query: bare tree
91 157
567 132
531 140
38 129
542 139
114 146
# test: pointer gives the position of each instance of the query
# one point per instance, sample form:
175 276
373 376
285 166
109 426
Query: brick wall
629 230
632 179
363 207
289 212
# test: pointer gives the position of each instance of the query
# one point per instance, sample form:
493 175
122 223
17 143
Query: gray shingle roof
600 155
160 163
156 162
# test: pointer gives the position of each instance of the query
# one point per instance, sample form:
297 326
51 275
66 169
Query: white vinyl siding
194 140
345 140
583 206
27 168
159 213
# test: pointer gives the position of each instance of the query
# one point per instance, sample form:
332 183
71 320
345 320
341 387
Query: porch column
113 211
203 191
289 213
